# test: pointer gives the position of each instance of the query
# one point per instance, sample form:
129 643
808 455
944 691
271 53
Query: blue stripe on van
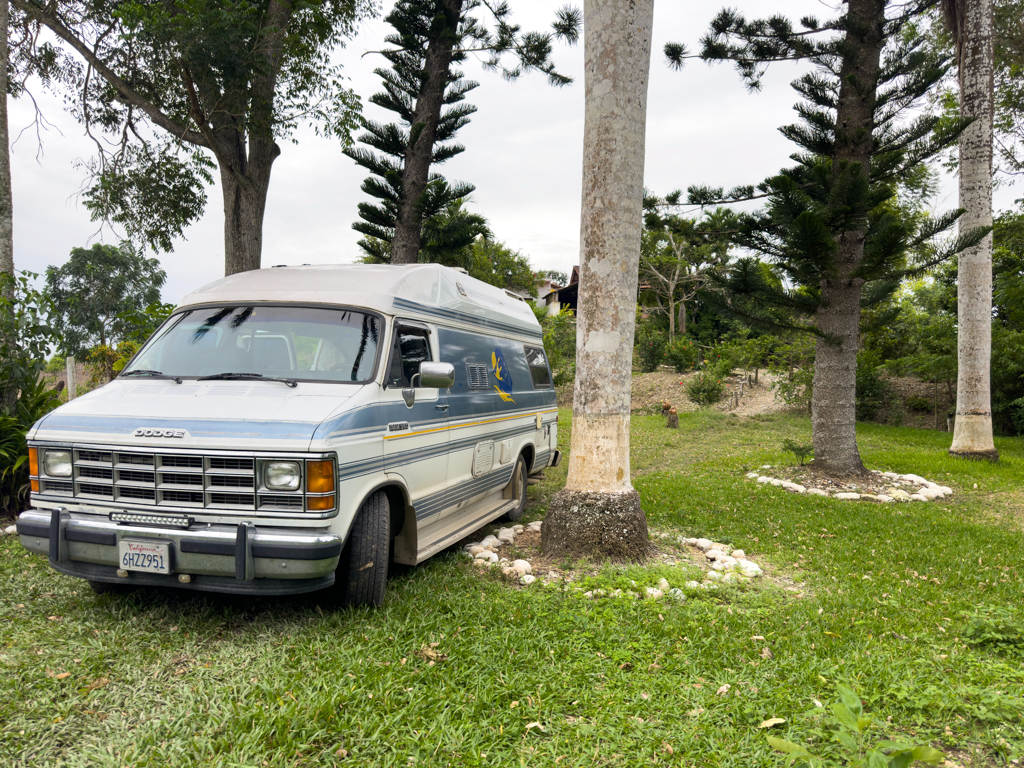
123 425
431 505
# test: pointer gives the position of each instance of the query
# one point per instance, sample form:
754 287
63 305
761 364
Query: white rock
931 493
868 497
477 550
714 575
914 479
490 557
690 541
507 538
692 585
491 541
466 554
703 544
588 595
481 563
751 475
714 554
709 585
730 578
817 492
663 585
899 494
718 565
469 547
517 529
523 566
776 482
739 554
917 497
677 594
616 593
535 526
763 479
504 561
728 561
946 490
766 466
849 496
510 571
748 568
884 498
655 594
11 530
891 475
528 579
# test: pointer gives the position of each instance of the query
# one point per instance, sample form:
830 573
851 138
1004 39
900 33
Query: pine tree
427 92
831 225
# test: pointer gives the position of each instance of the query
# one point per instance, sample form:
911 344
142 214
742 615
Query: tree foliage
170 85
96 293
424 88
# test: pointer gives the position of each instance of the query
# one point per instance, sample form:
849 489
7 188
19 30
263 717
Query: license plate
146 556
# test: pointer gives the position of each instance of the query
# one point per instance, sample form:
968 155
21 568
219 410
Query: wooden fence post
71 378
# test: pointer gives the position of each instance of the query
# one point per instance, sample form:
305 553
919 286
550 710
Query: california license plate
146 556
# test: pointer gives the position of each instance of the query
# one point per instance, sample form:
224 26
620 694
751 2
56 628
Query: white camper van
297 428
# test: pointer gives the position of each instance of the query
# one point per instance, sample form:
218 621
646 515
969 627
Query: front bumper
242 559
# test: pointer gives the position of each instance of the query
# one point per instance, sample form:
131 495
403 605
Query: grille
57 486
231 483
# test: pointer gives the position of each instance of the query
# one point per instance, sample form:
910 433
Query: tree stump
673 419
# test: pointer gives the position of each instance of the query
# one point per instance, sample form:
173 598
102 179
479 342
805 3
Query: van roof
427 290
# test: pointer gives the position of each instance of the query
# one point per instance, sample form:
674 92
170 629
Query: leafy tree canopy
97 291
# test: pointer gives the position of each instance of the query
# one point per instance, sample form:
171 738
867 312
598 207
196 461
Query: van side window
410 348
538 367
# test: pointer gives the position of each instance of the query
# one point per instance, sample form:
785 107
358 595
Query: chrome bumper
242 559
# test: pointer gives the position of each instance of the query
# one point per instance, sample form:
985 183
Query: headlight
57 463
282 475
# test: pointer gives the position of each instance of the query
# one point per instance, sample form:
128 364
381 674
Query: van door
416 437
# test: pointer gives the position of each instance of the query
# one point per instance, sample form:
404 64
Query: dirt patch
650 390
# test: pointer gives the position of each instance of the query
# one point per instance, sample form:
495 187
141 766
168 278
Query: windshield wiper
251 376
153 374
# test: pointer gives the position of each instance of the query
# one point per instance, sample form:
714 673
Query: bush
25 340
650 347
793 362
918 403
56 364
681 354
705 389
560 345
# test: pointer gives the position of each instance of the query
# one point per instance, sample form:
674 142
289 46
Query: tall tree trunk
6 196
245 185
833 401
405 248
682 317
598 513
972 430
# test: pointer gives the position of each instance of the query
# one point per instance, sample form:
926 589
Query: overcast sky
523 153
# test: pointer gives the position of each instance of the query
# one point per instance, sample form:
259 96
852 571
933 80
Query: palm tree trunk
6 196
972 429
598 513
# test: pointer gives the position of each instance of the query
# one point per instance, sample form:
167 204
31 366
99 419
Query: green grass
887 592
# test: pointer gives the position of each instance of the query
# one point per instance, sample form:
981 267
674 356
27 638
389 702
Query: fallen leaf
63 675
535 724
757 637
342 753
514 705
99 682
766 654
667 747
723 690
833 634
772 721
645 696
694 712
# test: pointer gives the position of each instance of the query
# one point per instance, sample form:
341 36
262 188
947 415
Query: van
293 429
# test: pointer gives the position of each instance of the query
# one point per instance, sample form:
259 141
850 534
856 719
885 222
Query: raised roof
432 290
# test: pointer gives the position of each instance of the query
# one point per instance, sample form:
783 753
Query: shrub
681 354
560 345
56 364
650 347
802 452
705 389
793 363
918 403
998 628
25 340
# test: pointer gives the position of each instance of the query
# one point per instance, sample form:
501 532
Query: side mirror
437 375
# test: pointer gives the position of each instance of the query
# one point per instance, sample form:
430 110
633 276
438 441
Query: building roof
425 289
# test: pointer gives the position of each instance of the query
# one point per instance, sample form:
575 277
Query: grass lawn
460 669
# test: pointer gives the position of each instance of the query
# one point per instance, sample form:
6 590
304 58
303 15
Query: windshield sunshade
300 343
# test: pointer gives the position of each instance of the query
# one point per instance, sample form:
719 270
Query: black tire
366 568
516 489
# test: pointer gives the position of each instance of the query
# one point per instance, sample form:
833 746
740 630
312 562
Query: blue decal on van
502 374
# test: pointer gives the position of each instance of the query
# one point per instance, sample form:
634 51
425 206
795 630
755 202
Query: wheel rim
521 485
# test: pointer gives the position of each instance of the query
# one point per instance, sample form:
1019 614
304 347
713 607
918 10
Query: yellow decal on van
501 373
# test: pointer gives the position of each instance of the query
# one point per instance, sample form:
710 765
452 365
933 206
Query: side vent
477 375
483 458
398 426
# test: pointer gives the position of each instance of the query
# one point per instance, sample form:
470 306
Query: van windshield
301 343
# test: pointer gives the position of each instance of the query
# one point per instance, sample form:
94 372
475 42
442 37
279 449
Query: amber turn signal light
320 503
33 468
320 478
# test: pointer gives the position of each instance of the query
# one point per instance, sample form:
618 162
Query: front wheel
516 489
365 570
